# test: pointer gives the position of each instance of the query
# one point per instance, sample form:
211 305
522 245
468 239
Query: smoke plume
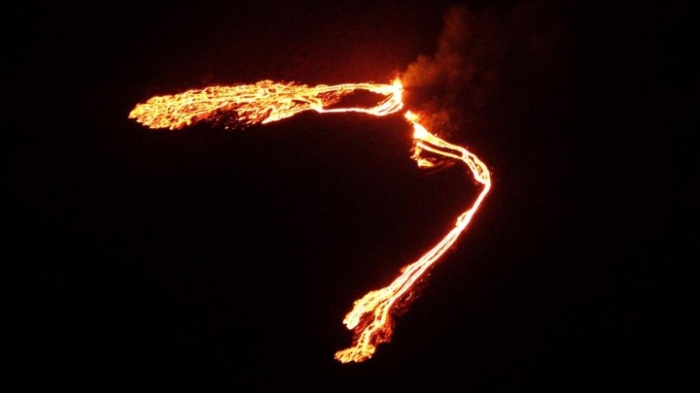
450 88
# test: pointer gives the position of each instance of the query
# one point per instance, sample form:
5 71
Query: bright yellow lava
266 102
263 102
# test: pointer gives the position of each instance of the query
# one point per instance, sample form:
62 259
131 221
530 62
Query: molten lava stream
266 102
371 316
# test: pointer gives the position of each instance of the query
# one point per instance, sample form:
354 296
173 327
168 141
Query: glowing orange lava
266 102
263 102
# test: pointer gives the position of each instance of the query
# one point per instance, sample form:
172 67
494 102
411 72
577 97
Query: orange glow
263 102
266 102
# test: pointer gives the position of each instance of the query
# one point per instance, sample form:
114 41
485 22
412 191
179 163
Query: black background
215 260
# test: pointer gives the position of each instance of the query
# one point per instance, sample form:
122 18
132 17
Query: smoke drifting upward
451 87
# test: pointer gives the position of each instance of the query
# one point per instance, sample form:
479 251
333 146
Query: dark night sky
217 260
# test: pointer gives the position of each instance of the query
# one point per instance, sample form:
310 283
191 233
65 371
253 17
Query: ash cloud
450 88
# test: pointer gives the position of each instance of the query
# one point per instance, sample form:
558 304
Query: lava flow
266 102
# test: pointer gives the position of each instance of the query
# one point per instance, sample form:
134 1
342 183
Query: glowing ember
265 102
